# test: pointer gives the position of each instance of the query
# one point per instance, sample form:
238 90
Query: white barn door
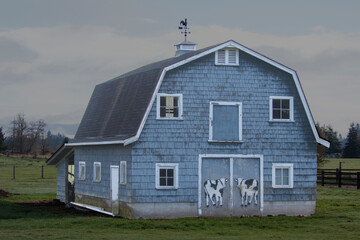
114 189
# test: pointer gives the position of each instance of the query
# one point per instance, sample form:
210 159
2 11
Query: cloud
50 72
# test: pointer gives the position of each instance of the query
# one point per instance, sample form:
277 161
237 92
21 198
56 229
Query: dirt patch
4 193
57 207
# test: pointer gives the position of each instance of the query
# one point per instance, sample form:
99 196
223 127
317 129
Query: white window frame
94 172
211 117
291 113
82 164
123 172
227 57
180 106
174 166
289 166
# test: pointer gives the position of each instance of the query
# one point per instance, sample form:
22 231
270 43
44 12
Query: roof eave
115 142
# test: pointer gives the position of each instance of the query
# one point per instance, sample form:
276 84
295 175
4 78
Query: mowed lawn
337 216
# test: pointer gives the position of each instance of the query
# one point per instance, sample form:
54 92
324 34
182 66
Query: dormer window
227 56
169 106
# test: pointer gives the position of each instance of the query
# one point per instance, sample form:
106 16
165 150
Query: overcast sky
53 53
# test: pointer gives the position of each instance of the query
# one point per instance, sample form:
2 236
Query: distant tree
320 149
34 132
45 140
18 133
352 145
332 137
2 140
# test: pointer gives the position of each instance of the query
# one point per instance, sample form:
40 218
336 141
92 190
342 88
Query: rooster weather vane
183 26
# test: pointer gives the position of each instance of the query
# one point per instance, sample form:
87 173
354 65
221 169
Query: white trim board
232 44
231 158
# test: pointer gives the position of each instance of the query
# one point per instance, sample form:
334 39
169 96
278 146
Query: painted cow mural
214 190
249 189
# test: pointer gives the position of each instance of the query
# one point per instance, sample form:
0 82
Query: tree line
348 147
28 137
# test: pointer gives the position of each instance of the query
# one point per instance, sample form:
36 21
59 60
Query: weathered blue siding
60 181
251 83
107 155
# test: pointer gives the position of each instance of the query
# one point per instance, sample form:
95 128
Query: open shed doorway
70 179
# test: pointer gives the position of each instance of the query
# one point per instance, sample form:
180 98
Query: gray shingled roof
117 107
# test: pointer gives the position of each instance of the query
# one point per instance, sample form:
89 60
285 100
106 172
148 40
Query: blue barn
221 131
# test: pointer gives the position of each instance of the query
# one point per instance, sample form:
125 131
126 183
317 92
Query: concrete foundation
289 208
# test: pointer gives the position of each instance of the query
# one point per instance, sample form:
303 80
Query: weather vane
183 26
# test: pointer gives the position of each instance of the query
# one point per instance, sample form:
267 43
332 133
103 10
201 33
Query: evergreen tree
352 146
2 140
332 137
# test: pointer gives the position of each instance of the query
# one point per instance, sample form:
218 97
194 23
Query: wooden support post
339 177
322 178
42 171
14 172
358 180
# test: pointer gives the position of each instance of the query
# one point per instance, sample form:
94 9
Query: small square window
166 175
82 170
282 175
169 106
281 109
97 171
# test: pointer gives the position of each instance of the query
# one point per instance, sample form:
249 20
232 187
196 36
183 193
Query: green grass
28 179
337 217
346 163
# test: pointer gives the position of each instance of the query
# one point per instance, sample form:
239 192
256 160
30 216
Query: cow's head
238 180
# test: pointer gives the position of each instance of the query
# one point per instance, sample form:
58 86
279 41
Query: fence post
322 178
42 171
14 172
358 180
339 177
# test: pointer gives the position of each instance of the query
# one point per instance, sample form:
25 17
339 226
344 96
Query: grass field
346 163
337 217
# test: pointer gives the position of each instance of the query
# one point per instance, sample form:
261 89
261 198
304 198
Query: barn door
215 187
230 187
114 189
246 174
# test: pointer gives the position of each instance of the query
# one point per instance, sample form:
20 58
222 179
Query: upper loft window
225 123
169 106
281 109
227 56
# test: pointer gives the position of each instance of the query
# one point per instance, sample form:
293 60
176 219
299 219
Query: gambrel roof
118 108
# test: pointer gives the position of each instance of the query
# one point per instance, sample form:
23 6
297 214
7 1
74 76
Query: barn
217 132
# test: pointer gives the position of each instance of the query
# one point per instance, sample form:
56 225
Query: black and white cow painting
248 190
214 191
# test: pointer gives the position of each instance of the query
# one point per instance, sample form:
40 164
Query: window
167 175
281 109
97 172
282 175
169 106
227 56
81 170
225 123
123 172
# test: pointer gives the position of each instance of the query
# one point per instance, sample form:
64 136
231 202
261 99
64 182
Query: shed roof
118 108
